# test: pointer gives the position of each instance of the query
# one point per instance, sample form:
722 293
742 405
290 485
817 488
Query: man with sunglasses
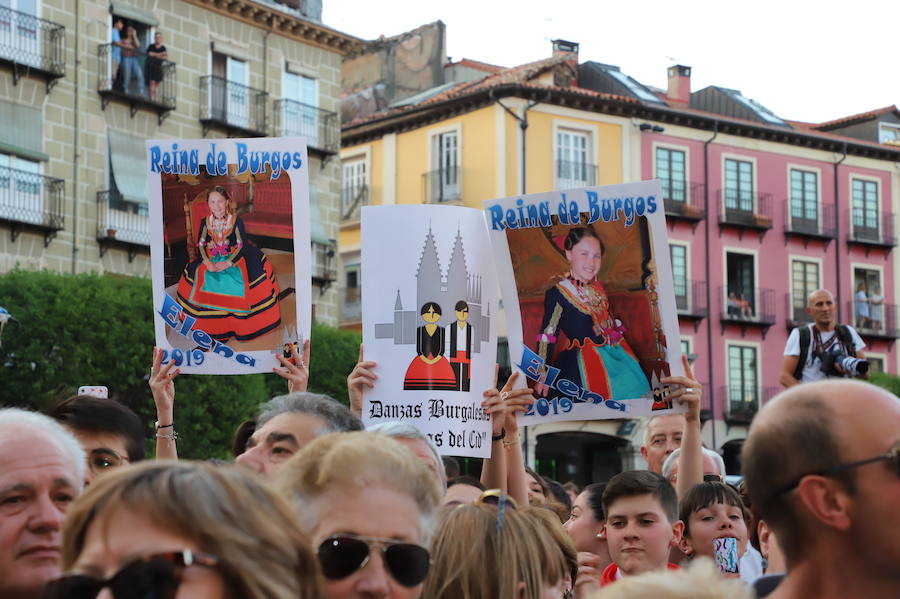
822 464
41 472
111 434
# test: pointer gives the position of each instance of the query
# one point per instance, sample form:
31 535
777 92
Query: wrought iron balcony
868 227
685 201
232 106
125 78
31 200
319 127
32 44
751 210
570 174
690 298
795 308
881 322
819 224
352 199
324 269
443 185
749 306
122 223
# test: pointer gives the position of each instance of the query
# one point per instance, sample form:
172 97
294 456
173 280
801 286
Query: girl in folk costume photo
230 288
430 369
596 357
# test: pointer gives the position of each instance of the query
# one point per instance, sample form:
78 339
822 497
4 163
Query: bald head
811 428
820 306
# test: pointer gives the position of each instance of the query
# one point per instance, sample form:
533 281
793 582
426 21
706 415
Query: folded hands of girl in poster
230 251
589 299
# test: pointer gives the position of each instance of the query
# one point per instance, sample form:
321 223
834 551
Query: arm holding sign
296 369
162 386
690 461
493 469
362 376
517 402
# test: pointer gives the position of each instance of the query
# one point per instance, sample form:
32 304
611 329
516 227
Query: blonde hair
225 510
701 580
474 557
548 518
352 461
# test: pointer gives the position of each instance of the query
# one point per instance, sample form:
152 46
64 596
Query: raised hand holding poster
429 321
589 301
230 251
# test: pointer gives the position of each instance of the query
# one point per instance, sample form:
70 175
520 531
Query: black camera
850 366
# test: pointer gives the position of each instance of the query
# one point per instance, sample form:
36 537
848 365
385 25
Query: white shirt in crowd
812 370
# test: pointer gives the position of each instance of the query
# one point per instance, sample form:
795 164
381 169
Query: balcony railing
233 106
752 210
127 77
324 270
31 199
122 221
350 305
881 322
319 127
743 401
867 227
352 199
690 298
755 306
571 174
27 41
685 200
443 185
821 225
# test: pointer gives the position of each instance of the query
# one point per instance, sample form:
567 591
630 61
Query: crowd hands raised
318 507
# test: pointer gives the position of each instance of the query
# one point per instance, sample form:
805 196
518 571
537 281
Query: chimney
569 49
679 92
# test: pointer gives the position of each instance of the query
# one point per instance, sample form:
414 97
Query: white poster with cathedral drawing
429 321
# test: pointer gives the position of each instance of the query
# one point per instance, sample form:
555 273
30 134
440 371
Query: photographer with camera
823 349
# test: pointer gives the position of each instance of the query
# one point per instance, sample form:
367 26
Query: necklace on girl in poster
596 304
219 228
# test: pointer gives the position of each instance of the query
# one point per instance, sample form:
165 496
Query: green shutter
128 157
22 131
132 13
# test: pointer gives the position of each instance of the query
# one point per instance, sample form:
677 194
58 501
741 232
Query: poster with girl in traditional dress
230 251
429 322
589 300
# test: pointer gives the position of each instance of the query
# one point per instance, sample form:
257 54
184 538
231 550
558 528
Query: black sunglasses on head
342 555
892 456
157 576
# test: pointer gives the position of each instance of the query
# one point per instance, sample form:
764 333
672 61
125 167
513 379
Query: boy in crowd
642 524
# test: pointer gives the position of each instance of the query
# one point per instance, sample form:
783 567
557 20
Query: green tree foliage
886 381
98 330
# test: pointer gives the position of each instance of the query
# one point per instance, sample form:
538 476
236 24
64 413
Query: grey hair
403 430
670 460
337 418
44 426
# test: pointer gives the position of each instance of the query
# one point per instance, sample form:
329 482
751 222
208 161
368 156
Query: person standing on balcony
862 307
802 362
156 54
115 52
876 309
131 68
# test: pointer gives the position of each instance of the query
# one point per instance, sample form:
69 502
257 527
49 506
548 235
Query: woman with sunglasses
369 505
184 530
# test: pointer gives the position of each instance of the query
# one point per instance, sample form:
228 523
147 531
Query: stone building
76 109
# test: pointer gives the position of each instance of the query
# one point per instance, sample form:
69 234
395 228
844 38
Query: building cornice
433 112
289 26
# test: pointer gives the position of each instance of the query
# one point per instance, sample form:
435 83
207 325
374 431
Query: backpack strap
846 339
805 338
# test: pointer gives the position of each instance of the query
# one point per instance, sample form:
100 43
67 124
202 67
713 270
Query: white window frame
15 205
865 266
896 136
754 192
687 268
819 206
790 275
760 390
756 286
363 158
299 117
434 164
686 150
879 186
591 134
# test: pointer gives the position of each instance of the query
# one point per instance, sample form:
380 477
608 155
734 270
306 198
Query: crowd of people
316 506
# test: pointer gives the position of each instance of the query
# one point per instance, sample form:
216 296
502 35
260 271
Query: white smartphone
94 391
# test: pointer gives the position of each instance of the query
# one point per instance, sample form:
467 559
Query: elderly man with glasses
822 463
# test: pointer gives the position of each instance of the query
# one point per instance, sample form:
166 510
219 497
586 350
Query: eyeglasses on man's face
892 456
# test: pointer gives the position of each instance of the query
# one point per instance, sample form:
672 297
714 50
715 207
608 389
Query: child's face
714 522
639 534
